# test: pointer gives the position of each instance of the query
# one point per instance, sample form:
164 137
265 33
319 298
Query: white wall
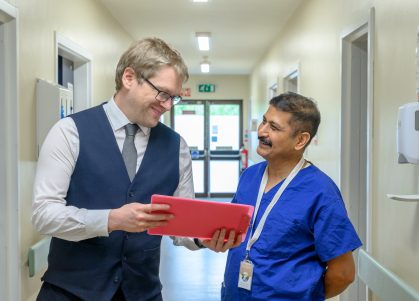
227 87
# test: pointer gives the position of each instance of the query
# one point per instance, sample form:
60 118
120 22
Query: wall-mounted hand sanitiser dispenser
408 133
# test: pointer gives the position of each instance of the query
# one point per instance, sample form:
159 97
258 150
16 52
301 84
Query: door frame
289 77
350 128
206 153
9 155
82 60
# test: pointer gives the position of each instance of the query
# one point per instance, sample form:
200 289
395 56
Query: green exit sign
206 88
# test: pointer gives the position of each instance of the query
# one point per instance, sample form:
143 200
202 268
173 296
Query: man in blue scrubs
300 243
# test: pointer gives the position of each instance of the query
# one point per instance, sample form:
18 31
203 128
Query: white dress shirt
56 163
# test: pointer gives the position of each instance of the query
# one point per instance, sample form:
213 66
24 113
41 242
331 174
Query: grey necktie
129 152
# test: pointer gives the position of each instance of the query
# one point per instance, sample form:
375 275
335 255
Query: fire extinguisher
244 155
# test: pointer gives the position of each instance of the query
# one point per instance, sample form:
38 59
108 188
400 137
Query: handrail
382 282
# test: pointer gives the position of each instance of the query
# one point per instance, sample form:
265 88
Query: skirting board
382 282
38 256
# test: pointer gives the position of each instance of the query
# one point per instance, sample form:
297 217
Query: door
213 131
356 137
10 251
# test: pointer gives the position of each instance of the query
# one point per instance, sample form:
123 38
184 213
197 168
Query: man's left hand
218 242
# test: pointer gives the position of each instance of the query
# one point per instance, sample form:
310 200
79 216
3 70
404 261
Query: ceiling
241 30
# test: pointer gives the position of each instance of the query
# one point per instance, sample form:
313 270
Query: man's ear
302 140
128 77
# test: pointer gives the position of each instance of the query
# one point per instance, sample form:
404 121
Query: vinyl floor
191 275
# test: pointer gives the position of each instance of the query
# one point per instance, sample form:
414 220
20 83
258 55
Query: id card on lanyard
246 265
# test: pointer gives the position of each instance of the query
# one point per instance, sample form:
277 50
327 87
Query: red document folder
200 219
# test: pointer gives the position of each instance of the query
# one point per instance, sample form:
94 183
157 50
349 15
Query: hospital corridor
189 275
209 150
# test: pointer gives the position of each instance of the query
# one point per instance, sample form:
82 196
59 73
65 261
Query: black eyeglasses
164 96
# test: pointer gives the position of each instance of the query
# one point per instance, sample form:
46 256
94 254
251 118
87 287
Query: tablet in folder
200 219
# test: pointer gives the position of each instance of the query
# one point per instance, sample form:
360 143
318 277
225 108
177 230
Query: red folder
200 219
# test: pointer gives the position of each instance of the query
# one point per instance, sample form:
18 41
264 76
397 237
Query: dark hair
305 116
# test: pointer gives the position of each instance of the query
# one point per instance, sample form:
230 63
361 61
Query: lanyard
255 236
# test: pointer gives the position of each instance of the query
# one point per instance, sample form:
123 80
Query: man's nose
262 128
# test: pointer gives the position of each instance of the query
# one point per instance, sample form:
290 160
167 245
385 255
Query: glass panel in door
224 145
212 130
189 122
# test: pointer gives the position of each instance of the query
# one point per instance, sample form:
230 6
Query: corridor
190 275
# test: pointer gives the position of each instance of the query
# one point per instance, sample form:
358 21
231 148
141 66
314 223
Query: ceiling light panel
205 67
203 40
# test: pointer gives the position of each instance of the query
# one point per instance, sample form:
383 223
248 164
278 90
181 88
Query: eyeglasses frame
174 98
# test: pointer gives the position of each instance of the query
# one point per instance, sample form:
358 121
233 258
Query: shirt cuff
185 242
97 223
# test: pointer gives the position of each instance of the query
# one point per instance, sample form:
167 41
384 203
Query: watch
198 243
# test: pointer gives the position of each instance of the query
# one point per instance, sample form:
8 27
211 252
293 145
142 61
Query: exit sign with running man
206 88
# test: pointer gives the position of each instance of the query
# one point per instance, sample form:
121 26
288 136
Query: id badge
246 275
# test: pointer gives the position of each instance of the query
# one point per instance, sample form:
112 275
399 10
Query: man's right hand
137 217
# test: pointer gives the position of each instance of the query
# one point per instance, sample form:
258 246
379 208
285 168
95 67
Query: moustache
265 141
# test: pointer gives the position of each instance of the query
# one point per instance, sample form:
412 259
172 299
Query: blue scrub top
307 227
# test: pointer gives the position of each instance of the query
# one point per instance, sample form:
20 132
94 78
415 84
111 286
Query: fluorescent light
199 1
203 43
203 40
205 67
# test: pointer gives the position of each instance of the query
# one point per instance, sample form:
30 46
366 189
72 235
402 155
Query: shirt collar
118 119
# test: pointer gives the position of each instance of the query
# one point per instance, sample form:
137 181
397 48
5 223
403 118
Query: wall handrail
382 282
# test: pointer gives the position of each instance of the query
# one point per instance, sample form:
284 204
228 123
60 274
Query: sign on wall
206 88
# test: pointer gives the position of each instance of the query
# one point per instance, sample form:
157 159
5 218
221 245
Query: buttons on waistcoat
131 194
116 279
124 258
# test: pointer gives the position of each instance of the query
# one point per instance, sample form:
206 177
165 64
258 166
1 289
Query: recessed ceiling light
203 40
205 65
199 1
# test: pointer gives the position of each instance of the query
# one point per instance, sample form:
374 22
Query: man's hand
137 217
217 243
